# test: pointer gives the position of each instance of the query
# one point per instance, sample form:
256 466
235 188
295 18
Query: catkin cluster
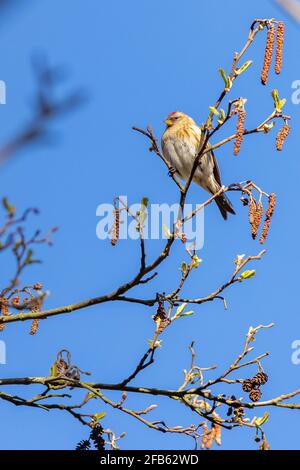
270 49
211 435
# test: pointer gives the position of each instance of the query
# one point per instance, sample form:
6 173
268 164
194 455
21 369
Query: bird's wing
216 170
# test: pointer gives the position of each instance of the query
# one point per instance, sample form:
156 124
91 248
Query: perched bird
180 145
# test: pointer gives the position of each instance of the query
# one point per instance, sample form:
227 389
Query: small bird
180 144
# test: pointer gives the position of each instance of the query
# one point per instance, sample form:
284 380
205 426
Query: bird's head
176 117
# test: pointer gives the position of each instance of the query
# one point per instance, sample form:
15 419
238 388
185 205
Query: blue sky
138 61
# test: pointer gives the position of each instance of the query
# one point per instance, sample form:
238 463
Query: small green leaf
223 75
248 274
99 416
28 259
214 111
156 344
278 103
275 96
229 84
282 103
227 80
183 267
11 209
262 420
268 127
187 314
180 309
196 261
222 116
243 67
208 122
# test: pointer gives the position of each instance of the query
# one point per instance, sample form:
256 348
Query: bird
180 145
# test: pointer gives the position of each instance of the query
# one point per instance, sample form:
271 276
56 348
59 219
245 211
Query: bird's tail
224 205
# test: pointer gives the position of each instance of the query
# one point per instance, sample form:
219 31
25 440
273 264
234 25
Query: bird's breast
180 149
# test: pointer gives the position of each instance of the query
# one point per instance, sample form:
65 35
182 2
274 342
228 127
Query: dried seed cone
279 46
255 395
239 131
247 385
239 413
269 215
116 227
281 136
34 326
268 54
261 378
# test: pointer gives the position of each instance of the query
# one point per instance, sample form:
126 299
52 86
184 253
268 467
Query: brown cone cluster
279 46
255 395
239 413
268 54
281 136
116 227
239 131
252 385
269 215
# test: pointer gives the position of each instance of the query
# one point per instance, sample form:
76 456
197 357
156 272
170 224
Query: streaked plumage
180 144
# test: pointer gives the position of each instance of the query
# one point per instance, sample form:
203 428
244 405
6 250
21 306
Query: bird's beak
168 122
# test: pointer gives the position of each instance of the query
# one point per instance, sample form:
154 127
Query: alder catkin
279 46
282 136
34 326
257 216
269 215
268 54
239 131
252 210
116 227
